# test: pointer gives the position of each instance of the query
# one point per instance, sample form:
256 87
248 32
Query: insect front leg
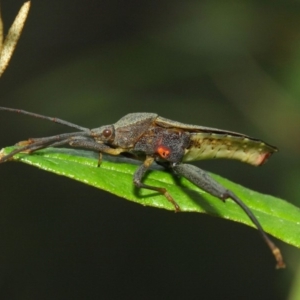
137 180
202 179
90 143
34 144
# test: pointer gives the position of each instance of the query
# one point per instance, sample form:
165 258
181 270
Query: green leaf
279 218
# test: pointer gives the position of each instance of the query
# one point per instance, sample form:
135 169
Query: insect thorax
167 144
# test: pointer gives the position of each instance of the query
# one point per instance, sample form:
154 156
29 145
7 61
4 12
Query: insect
151 138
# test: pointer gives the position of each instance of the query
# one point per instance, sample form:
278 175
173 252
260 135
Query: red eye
163 151
106 133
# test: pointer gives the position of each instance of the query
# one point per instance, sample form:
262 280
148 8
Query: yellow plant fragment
1 32
8 46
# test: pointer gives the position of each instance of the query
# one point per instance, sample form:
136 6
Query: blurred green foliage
232 65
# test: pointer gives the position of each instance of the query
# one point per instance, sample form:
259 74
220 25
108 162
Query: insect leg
30 148
34 144
137 180
48 139
202 179
89 143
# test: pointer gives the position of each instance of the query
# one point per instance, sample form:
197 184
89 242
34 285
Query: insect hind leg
203 180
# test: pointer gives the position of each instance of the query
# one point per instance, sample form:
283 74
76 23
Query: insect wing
215 145
166 123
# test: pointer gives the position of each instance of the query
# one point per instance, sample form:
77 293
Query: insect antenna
52 119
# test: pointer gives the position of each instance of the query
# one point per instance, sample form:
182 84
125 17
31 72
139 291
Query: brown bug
151 138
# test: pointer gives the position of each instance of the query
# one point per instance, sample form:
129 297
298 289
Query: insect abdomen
212 145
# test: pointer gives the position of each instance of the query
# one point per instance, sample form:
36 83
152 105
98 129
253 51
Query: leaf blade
279 218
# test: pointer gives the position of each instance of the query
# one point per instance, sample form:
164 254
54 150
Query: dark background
229 64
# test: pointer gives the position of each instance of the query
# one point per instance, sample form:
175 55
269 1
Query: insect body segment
151 138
